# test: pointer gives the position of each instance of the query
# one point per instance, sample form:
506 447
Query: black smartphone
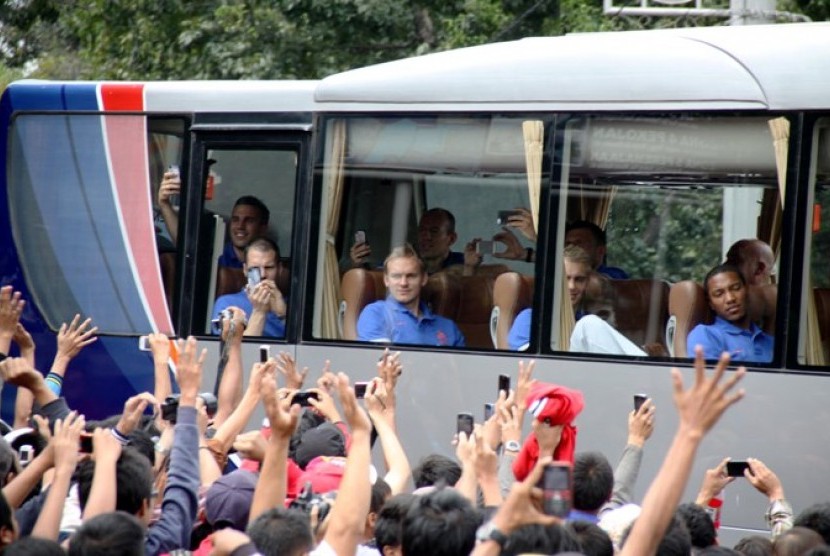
303 397
464 423
264 353
504 216
489 409
736 468
504 384
360 390
86 443
557 488
639 400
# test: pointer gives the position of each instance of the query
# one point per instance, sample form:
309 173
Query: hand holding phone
736 468
465 423
504 384
302 398
557 488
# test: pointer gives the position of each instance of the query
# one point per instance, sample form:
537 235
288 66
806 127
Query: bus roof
752 67
164 96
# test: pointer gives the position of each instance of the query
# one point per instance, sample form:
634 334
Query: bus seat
474 309
360 287
512 292
687 309
822 296
232 280
641 309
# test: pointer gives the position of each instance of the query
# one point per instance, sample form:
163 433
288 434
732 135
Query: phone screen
489 409
504 216
360 390
556 489
303 397
254 276
736 468
264 353
360 236
484 247
464 423
504 383
639 400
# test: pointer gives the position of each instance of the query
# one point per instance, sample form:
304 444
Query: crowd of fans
177 473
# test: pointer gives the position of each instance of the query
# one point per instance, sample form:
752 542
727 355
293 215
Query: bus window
814 344
648 206
81 207
248 198
456 190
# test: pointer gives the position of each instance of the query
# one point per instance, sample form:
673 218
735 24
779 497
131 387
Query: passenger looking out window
403 318
591 238
588 292
261 300
733 331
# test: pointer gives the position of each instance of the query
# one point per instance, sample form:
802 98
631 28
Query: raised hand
287 367
73 337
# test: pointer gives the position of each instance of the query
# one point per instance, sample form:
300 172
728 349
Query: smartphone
303 397
736 468
264 353
489 409
504 384
144 343
86 443
504 216
25 454
464 423
360 236
485 247
360 390
557 488
639 400
254 276
174 199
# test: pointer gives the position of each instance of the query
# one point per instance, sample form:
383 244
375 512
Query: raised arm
640 427
171 184
160 348
235 423
18 371
381 408
699 408
230 387
11 306
779 514
65 445
271 487
23 400
348 517
72 338
106 450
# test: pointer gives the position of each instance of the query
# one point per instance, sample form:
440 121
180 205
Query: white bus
677 143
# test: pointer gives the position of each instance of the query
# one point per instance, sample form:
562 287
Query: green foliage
667 234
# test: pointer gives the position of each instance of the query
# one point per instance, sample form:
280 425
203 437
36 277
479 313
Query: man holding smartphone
402 317
261 300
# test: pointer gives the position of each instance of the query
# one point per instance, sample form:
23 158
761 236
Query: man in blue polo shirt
263 303
402 318
733 331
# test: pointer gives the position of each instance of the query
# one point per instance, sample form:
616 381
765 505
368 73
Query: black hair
435 469
592 540
281 532
441 523
593 481
308 420
716 550
251 201
754 545
390 517
6 513
8 462
540 539
699 523
817 518
445 214
381 491
34 546
110 533
721 269
796 541
596 231
133 476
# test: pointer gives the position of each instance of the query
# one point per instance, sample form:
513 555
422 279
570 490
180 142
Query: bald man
756 263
